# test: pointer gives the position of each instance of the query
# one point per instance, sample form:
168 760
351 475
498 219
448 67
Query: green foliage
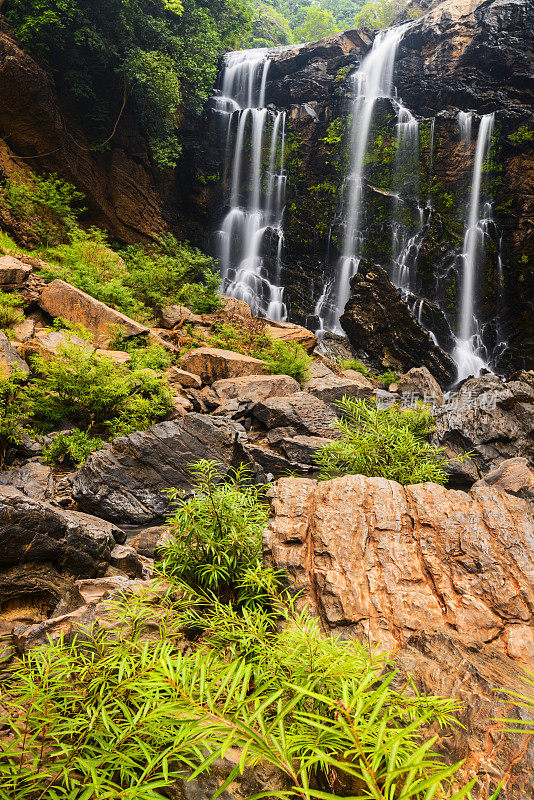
316 24
522 135
387 377
379 13
9 310
49 203
123 714
12 412
288 358
388 443
157 58
216 534
269 27
172 273
152 356
60 324
71 448
89 389
355 364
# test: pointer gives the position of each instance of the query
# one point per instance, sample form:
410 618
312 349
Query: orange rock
213 364
60 299
287 332
384 562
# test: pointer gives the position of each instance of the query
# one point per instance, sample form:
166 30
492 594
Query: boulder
127 480
12 272
302 449
60 299
24 330
252 389
382 328
513 476
213 364
178 315
126 559
181 378
333 388
287 332
50 343
10 361
117 356
419 384
30 592
36 531
147 542
382 561
491 418
33 479
232 307
300 413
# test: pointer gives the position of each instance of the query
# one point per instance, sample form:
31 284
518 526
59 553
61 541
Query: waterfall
465 121
374 79
254 171
468 351
406 239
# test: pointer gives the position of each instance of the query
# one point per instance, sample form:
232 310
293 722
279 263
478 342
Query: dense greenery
183 677
71 449
389 443
11 412
154 58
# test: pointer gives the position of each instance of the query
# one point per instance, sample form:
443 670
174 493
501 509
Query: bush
87 262
71 448
172 272
9 310
12 412
89 389
126 715
152 356
388 443
287 358
216 534
50 204
387 377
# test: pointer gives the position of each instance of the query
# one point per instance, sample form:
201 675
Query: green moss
522 135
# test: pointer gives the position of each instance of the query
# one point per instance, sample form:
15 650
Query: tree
379 13
316 24
156 58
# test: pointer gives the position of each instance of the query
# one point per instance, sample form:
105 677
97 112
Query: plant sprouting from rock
389 443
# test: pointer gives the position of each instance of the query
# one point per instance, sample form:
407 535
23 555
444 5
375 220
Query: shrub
216 534
152 356
87 262
387 377
172 272
9 310
388 443
71 448
123 716
12 412
355 364
90 389
287 358
50 204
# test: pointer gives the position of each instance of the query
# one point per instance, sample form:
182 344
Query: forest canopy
158 59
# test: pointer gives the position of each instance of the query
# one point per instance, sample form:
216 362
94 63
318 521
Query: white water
255 138
469 351
406 239
374 79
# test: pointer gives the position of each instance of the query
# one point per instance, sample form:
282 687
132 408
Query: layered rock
382 562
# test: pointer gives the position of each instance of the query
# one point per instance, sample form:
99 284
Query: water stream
469 352
254 171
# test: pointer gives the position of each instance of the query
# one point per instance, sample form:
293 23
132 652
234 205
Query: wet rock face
380 326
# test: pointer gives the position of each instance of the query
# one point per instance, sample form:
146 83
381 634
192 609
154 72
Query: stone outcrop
33 479
60 299
13 272
299 413
513 476
127 480
418 383
383 562
213 364
491 418
10 361
381 327
39 532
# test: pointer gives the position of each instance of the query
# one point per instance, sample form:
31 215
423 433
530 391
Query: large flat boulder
126 481
60 299
33 479
36 531
290 333
252 389
334 387
213 364
299 413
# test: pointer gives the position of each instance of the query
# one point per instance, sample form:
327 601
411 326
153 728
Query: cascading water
374 79
469 350
407 238
255 138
